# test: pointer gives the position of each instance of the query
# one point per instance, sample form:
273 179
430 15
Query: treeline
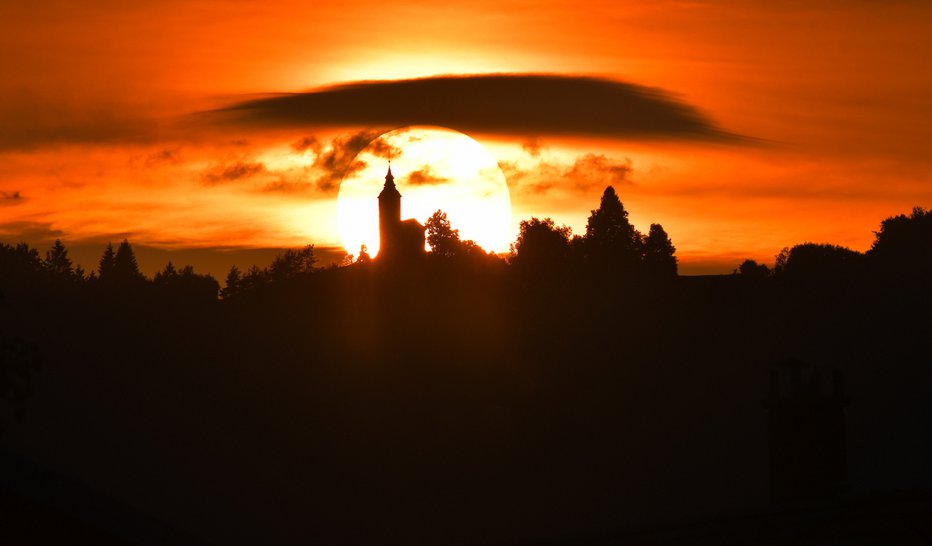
902 247
611 246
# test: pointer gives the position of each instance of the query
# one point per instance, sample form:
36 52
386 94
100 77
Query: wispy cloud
232 171
586 172
10 198
425 176
31 232
339 160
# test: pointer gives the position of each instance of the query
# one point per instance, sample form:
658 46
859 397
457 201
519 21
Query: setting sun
434 168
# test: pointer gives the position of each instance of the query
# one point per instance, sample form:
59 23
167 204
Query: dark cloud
307 143
167 155
587 171
514 104
425 176
339 161
10 198
231 172
284 185
29 232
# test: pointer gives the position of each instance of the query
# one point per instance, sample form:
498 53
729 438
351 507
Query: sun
435 169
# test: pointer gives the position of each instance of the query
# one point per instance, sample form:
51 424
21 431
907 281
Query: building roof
389 189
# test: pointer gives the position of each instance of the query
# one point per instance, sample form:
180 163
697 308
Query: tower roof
389 188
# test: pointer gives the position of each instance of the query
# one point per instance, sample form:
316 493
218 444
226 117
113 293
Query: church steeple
390 188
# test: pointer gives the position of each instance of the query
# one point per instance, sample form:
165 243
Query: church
399 240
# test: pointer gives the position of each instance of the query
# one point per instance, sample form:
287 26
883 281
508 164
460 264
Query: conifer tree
611 240
107 261
233 283
166 275
125 267
57 261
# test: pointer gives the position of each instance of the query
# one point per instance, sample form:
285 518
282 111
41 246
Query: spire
389 188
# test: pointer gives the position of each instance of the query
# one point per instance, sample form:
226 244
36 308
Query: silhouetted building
398 239
806 433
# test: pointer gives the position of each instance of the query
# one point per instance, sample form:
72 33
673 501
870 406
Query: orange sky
97 98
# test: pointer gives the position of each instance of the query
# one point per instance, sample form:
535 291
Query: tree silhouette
779 263
19 264
659 260
106 264
186 285
57 261
166 275
541 245
820 261
904 243
292 263
253 279
363 257
752 270
125 268
233 283
611 241
444 241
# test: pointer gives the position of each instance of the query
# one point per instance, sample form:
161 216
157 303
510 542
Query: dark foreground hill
439 404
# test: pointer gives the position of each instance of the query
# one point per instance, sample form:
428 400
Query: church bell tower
389 215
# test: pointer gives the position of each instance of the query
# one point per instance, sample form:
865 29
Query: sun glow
434 168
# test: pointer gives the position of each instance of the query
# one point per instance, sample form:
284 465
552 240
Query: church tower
400 242
389 215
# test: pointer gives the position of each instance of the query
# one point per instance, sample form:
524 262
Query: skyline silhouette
602 397
468 273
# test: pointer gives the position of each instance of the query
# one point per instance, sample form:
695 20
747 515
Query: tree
444 241
292 263
752 270
107 262
541 245
125 267
253 278
19 264
363 257
904 243
57 261
233 283
611 240
166 275
820 261
779 263
659 260
186 285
